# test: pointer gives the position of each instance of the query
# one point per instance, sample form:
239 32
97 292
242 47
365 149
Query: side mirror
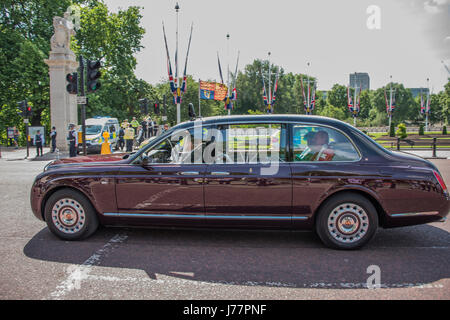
145 160
191 111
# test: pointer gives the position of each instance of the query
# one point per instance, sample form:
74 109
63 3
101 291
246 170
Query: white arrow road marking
78 273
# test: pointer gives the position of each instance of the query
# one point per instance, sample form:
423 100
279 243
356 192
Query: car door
249 184
164 186
321 158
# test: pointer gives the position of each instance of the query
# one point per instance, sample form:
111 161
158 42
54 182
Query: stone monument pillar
62 61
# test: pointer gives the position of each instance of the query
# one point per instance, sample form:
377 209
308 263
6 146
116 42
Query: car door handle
220 173
190 173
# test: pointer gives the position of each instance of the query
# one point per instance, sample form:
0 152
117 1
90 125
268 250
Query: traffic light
23 108
156 106
72 86
143 103
92 75
29 111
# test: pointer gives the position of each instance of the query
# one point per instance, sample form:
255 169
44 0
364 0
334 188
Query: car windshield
93 129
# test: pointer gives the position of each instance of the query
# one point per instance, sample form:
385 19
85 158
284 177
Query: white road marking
78 273
168 280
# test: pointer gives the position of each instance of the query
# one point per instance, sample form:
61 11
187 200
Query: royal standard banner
213 91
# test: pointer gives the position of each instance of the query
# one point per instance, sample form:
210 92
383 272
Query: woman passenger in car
317 149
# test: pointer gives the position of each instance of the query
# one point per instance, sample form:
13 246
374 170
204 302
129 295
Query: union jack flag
422 104
313 99
350 100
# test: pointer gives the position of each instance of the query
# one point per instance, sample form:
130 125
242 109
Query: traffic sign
81 100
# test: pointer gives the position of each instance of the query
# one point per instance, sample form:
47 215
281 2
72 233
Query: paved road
123 263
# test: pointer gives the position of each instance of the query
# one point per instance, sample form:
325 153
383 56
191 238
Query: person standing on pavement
140 136
38 142
125 124
129 137
144 128
121 140
165 128
72 138
53 137
134 124
16 137
150 127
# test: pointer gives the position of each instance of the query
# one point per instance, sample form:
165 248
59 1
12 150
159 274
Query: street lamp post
427 106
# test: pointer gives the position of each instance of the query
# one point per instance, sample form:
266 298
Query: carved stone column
62 60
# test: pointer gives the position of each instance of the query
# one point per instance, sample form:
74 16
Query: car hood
89 160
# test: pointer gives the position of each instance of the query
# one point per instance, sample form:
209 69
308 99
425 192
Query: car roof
270 118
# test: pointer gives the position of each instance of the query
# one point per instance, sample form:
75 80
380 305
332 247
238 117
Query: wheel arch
375 202
62 187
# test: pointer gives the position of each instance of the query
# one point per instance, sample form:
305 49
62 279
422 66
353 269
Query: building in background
360 79
416 91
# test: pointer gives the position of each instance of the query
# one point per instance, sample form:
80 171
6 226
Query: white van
94 133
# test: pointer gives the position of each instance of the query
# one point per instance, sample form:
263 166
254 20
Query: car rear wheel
347 221
70 215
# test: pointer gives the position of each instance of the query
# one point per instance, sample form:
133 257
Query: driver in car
317 149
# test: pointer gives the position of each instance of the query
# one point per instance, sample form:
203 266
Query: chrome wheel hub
68 215
348 223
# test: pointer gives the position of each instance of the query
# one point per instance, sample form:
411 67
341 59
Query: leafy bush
401 132
444 130
421 130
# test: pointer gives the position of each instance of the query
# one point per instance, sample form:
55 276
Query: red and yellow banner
213 91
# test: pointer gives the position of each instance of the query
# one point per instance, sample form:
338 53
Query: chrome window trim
229 122
345 135
302 123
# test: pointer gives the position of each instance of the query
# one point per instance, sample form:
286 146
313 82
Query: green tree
332 112
25 30
444 101
337 97
405 103
365 105
113 38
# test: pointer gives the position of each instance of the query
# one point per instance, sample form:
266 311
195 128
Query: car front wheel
347 221
70 215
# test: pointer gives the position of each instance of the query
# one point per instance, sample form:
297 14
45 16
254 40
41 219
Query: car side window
252 143
315 143
182 147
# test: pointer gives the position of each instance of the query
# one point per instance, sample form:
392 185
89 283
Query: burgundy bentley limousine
272 172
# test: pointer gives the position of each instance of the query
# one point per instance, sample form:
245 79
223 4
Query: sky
407 39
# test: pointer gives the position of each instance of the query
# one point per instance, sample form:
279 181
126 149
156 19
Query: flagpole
199 99
426 106
270 84
177 8
354 107
390 104
228 68
308 96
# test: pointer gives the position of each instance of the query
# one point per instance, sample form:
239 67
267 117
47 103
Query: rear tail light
440 181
